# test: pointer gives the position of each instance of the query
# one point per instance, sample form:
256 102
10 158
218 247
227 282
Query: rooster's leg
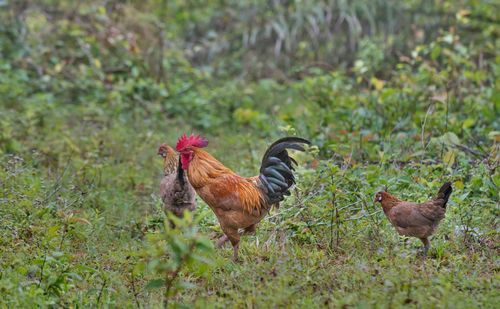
247 231
234 238
250 230
220 243
427 245
235 251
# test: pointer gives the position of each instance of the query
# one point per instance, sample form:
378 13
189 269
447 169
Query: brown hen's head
386 200
382 196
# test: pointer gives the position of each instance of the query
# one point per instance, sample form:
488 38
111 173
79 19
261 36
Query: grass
89 92
88 230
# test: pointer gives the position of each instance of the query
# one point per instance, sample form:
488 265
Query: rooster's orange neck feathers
203 167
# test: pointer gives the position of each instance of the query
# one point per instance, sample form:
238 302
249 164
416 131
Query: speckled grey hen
176 192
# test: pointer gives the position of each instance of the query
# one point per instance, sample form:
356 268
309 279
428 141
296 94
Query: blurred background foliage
88 89
374 68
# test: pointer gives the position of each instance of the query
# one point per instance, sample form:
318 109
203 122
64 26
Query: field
396 95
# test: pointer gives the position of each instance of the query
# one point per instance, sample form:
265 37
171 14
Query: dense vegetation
396 94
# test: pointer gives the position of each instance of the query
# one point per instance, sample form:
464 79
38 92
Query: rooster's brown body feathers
241 202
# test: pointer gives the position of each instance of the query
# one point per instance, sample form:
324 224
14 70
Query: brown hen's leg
427 245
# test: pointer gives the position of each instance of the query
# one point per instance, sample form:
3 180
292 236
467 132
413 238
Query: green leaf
469 122
436 51
74 276
204 244
494 135
458 184
52 231
178 247
139 268
155 284
449 157
185 285
450 139
57 254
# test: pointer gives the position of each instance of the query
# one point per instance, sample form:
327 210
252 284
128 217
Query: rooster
413 219
239 202
175 191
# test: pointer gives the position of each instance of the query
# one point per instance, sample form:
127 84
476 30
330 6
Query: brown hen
414 219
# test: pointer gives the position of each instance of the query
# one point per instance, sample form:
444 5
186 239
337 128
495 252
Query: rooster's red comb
192 140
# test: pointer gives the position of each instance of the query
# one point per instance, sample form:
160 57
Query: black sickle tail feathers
276 171
445 192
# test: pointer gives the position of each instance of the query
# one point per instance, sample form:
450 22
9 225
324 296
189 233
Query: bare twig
469 150
430 110
364 216
334 214
171 277
161 43
134 290
43 266
476 142
65 232
333 211
446 118
57 186
100 292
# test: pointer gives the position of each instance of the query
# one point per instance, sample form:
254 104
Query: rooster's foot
220 243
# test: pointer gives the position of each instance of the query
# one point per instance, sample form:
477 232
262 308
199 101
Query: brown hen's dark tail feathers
444 193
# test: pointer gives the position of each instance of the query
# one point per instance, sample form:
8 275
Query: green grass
301 256
84 108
